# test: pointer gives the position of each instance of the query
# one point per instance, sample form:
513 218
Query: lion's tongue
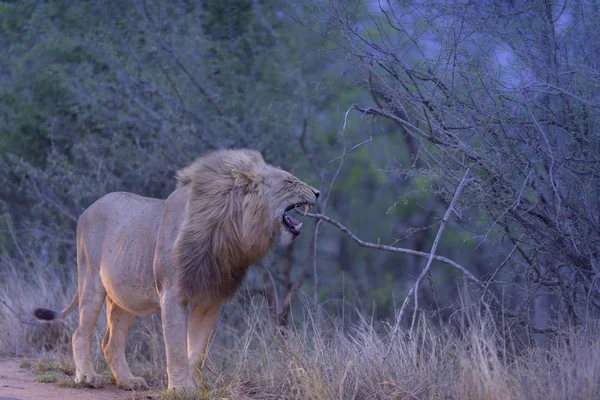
292 224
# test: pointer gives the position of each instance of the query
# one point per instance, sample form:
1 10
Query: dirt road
18 383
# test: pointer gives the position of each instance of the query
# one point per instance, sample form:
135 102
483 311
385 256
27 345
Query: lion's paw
135 383
92 379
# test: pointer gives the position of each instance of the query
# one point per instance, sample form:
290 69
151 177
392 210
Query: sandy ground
19 384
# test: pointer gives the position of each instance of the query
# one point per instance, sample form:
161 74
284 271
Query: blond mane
226 225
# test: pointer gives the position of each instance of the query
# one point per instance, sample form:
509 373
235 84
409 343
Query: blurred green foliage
104 96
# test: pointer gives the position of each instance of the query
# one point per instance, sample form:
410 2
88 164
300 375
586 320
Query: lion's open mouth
291 223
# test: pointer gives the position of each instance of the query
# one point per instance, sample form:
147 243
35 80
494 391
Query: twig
570 94
308 154
314 262
313 247
13 387
430 256
489 281
370 139
394 249
193 79
168 50
323 204
16 314
436 242
275 294
291 293
403 123
14 238
415 287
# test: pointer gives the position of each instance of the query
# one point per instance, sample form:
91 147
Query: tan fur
183 256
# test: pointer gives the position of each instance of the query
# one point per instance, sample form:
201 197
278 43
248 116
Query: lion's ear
246 180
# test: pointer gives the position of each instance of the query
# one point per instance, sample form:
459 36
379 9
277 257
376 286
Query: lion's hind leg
118 324
91 299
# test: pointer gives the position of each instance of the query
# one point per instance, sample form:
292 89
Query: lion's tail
45 314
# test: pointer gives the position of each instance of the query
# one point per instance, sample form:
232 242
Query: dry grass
250 358
46 378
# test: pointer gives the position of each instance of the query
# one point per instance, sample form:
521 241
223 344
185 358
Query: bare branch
394 249
403 123
16 314
436 242
274 287
14 238
323 205
570 94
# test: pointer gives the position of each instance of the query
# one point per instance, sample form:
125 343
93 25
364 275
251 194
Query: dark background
104 96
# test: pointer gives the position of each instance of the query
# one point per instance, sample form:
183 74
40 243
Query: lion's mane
226 226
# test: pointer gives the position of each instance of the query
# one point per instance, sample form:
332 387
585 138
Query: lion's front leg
201 325
174 320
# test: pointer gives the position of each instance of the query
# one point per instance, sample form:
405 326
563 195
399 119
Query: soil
18 383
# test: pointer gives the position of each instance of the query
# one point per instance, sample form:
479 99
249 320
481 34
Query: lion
183 256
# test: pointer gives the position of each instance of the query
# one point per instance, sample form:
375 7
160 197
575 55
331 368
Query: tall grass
318 359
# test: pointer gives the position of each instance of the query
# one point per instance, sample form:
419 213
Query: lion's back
121 210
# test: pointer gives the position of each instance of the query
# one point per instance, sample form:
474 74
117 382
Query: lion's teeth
299 226
305 209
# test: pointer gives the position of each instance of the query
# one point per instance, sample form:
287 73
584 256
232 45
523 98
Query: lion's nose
317 193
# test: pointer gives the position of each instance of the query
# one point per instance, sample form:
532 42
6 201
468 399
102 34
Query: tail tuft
44 314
